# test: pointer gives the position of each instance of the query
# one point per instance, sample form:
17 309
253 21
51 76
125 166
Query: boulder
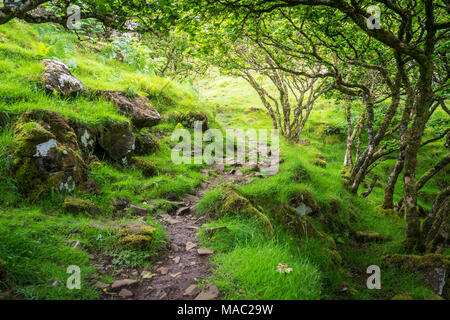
190 118
75 205
138 108
136 234
146 144
117 140
57 78
47 155
121 203
87 137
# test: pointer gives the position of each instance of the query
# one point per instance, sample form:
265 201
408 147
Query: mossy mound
419 262
320 161
135 235
304 199
233 202
403 296
301 226
434 269
386 212
147 167
370 236
47 155
190 118
345 175
75 205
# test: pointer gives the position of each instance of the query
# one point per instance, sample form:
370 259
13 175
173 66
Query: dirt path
176 274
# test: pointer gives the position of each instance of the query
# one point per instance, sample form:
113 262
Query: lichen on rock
47 155
58 78
139 108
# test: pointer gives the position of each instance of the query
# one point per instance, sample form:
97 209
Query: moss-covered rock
146 144
136 235
190 118
147 167
87 137
117 140
75 205
233 202
370 236
57 78
47 155
139 108
434 269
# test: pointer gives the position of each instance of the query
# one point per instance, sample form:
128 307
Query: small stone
183 211
191 291
169 219
190 245
101 285
139 210
125 293
77 244
205 252
163 270
210 292
176 260
119 284
175 275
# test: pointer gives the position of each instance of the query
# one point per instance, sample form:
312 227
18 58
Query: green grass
34 236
